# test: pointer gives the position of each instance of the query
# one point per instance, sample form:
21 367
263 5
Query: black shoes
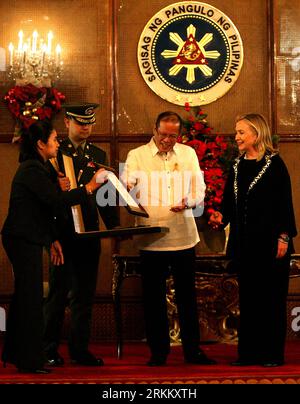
242 362
200 359
86 358
41 371
266 364
54 359
272 364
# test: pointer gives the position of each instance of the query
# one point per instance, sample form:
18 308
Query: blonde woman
257 203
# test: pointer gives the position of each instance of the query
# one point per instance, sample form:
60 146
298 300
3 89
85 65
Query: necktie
80 152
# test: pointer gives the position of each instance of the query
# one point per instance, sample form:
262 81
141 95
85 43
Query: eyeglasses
164 136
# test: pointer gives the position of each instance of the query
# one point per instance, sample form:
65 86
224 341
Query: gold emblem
190 52
89 111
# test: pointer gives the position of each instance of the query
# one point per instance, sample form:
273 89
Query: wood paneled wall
99 40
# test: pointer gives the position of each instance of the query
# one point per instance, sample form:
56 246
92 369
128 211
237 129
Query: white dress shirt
160 181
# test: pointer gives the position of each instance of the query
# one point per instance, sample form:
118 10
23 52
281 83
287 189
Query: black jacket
35 202
259 215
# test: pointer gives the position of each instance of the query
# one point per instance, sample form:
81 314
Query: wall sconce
34 60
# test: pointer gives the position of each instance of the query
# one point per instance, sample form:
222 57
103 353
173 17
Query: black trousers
23 344
263 289
73 284
156 267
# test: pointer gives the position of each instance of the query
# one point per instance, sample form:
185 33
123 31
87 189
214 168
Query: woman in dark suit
29 226
257 203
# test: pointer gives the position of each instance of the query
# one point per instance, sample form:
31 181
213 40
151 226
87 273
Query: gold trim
161 380
76 210
80 116
268 160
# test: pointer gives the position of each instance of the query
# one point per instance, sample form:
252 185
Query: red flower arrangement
30 103
214 153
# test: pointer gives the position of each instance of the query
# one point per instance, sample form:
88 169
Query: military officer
75 281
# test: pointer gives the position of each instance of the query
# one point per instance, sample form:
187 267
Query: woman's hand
64 182
56 253
99 178
281 249
215 220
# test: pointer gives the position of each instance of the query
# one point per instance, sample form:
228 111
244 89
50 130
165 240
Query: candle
28 43
50 37
11 53
25 48
58 52
34 41
42 44
20 46
34 57
44 50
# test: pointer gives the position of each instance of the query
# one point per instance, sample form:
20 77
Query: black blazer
266 212
35 202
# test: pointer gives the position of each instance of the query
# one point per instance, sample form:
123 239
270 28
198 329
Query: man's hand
64 182
180 207
56 253
101 176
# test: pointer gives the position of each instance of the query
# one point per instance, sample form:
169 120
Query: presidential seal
190 52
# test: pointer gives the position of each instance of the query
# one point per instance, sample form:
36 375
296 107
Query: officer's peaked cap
83 114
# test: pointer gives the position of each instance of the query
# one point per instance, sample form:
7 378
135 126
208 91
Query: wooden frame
76 210
285 51
132 206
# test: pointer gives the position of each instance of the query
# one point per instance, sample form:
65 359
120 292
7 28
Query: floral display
30 103
215 154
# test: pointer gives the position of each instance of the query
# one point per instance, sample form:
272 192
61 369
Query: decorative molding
96 138
272 68
287 138
113 80
143 137
134 138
